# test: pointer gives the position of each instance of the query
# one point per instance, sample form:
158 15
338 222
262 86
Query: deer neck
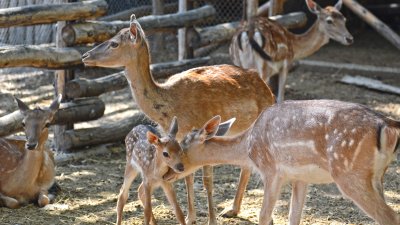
222 150
33 159
309 42
144 89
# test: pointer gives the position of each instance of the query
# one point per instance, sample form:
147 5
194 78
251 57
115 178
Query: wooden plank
374 22
182 39
371 84
98 31
350 67
51 13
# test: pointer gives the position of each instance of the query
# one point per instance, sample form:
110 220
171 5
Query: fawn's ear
224 127
313 6
210 128
152 138
173 128
23 108
56 103
133 28
338 5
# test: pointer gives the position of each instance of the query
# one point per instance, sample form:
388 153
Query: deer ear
224 127
338 5
23 108
173 128
133 27
313 6
211 127
152 138
56 103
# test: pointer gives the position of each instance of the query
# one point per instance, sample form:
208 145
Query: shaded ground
90 186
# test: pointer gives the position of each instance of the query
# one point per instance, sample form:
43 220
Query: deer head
168 147
36 121
332 22
112 53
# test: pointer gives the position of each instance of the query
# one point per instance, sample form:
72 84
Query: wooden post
62 76
184 51
158 39
251 9
374 22
276 7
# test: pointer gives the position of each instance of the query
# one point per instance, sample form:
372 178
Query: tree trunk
99 31
71 112
51 13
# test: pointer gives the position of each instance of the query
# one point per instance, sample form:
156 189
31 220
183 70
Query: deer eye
23 124
329 21
114 44
165 154
47 124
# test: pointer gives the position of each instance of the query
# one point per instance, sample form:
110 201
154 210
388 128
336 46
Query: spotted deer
151 156
303 142
268 47
27 168
193 95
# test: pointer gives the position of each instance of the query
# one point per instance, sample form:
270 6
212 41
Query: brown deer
268 47
150 155
193 95
27 168
302 142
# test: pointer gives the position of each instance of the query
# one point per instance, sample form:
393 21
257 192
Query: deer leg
208 184
129 177
191 218
272 188
282 81
171 196
9 202
362 192
245 174
144 192
299 192
43 199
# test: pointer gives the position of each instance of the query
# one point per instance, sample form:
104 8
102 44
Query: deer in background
193 95
151 156
27 168
303 142
268 47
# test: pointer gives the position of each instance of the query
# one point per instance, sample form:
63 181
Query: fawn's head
117 51
36 121
168 147
332 22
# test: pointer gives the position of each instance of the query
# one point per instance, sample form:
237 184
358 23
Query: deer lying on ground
193 95
302 142
150 155
27 168
270 48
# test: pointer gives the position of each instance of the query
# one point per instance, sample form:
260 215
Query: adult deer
270 48
193 95
151 156
302 142
27 168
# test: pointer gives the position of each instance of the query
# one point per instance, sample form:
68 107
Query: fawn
302 142
27 168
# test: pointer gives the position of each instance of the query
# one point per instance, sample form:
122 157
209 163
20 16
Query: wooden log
40 56
51 13
70 112
263 9
371 84
385 10
224 32
139 12
104 134
98 31
94 87
374 22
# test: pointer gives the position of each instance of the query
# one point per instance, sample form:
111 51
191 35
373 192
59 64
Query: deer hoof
43 201
12 203
190 221
229 213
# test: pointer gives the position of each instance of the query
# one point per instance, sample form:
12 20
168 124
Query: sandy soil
90 186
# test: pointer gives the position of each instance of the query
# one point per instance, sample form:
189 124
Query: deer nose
349 40
180 167
31 146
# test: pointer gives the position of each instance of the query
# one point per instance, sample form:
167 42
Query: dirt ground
90 186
